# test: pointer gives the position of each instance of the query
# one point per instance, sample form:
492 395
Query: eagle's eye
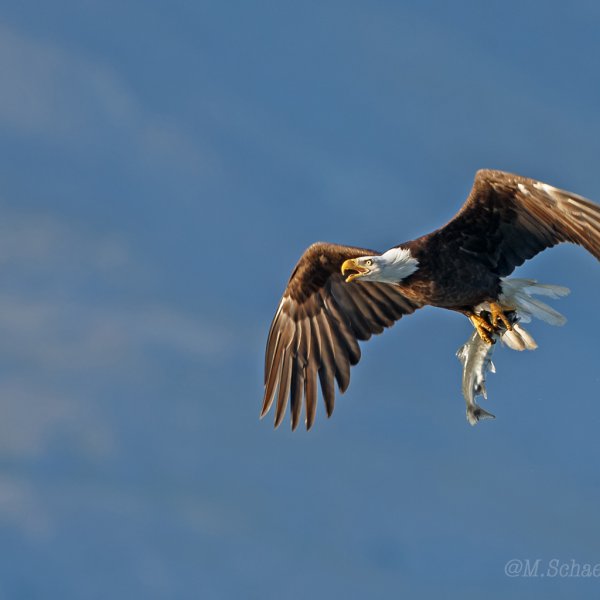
368 262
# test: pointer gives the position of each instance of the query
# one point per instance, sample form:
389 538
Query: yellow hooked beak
357 270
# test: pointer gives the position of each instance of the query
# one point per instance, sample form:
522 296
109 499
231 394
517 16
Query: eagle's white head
390 267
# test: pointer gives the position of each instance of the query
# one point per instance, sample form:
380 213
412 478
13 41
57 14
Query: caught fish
476 358
476 355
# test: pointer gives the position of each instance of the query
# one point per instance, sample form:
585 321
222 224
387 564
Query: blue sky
164 165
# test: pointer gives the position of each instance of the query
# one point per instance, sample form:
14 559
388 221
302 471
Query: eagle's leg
483 328
498 315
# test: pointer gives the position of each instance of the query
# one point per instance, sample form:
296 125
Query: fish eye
368 262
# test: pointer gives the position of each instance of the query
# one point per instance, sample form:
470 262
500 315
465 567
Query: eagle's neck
396 264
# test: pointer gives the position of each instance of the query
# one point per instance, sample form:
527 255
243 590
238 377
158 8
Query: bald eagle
339 295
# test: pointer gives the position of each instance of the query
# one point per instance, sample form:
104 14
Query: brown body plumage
506 220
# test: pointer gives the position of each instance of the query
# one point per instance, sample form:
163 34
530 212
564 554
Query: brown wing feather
314 334
507 219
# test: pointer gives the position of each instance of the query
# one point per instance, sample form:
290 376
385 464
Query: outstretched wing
508 219
316 329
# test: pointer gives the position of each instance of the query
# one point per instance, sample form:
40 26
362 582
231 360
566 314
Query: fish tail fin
475 414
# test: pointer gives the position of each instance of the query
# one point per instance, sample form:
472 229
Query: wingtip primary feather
316 330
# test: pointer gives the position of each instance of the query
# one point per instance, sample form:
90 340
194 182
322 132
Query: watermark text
553 568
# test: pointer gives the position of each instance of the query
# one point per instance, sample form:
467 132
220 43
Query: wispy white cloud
51 93
52 334
54 327
48 91
21 508
34 416
53 331
42 241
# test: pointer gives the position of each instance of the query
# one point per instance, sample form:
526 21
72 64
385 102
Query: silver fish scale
476 358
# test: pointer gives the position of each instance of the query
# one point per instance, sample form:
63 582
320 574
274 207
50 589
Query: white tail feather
545 289
519 293
518 339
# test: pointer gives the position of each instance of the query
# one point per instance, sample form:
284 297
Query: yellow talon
498 314
482 327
